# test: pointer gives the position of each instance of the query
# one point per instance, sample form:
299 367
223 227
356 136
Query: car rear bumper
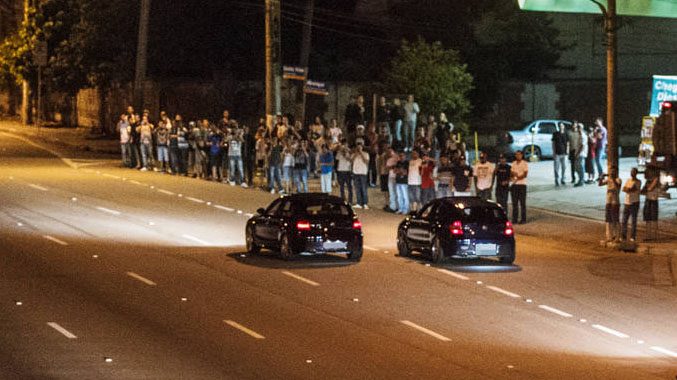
320 245
477 248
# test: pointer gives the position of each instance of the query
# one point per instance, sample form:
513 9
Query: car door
262 229
279 220
420 233
544 137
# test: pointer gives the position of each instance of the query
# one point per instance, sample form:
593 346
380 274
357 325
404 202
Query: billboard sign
316 88
294 73
664 89
646 8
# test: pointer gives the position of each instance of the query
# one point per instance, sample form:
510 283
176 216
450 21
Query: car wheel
252 247
402 247
527 152
506 259
286 252
437 252
355 254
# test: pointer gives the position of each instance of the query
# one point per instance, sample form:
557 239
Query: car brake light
456 228
303 225
508 229
357 225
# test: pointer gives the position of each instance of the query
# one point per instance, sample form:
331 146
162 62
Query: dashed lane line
503 291
163 191
62 330
664 351
109 211
135 182
300 278
195 239
55 240
196 200
224 208
454 274
244 329
368 248
610 331
38 187
141 278
555 311
426 331
111 176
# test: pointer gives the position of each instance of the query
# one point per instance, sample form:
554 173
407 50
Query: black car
306 224
459 227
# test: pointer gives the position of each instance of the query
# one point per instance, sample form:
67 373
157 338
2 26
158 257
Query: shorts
612 213
414 193
650 212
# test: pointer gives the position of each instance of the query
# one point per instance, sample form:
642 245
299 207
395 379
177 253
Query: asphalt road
109 273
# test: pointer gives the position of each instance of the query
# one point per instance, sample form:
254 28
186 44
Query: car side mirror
261 211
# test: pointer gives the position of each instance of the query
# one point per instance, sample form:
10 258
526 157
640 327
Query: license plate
334 245
485 249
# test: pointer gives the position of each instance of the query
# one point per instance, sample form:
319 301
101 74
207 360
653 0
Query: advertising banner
664 89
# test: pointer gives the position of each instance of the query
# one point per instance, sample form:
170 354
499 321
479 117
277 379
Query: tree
434 75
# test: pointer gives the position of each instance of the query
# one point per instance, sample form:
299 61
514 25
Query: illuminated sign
664 89
647 8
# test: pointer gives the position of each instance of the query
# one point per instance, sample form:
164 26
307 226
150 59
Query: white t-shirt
485 174
335 133
632 197
519 169
344 164
361 164
414 177
124 132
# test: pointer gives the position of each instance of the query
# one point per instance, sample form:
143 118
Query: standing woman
651 190
590 159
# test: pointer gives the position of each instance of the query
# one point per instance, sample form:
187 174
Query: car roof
467 201
312 196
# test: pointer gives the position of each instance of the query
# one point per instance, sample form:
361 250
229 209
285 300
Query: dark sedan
458 227
306 224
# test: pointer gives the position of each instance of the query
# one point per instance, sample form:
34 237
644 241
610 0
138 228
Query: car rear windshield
476 214
319 208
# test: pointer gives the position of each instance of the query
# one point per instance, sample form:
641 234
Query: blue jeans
444 191
162 153
560 162
402 197
235 162
409 133
392 194
125 154
344 181
598 161
325 181
360 181
398 130
274 178
301 180
580 164
145 154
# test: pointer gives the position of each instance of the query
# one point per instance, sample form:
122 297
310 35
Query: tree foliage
16 51
434 75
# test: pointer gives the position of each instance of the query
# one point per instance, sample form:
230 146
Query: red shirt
427 175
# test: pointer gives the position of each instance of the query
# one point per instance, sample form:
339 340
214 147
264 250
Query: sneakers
357 206
244 185
272 191
143 169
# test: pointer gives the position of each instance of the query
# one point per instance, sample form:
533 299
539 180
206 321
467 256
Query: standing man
559 152
484 177
134 138
502 181
414 181
461 174
401 186
343 172
581 153
518 193
631 205
411 111
249 155
573 142
354 116
391 164
124 129
443 174
601 136
326 168
235 164
360 161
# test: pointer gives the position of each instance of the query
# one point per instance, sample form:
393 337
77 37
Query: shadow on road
476 265
269 259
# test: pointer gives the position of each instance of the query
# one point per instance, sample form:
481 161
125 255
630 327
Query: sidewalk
586 203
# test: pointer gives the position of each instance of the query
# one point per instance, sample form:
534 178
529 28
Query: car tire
527 152
355 254
507 259
437 252
286 251
402 247
252 247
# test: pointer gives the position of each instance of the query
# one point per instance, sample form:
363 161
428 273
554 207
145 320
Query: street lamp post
141 55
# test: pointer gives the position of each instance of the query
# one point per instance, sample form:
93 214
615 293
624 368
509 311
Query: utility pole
306 43
610 29
141 56
25 85
273 56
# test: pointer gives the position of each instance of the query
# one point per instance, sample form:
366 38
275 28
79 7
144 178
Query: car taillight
357 225
303 225
456 228
508 231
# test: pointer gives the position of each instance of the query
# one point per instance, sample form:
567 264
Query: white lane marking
110 176
249 215
163 191
66 161
664 351
426 331
62 330
141 278
503 291
610 331
454 274
135 182
224 208
196 200
37 187
109 211
240 211
555 311
57 241
194 239
368 248
245 330
300 278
